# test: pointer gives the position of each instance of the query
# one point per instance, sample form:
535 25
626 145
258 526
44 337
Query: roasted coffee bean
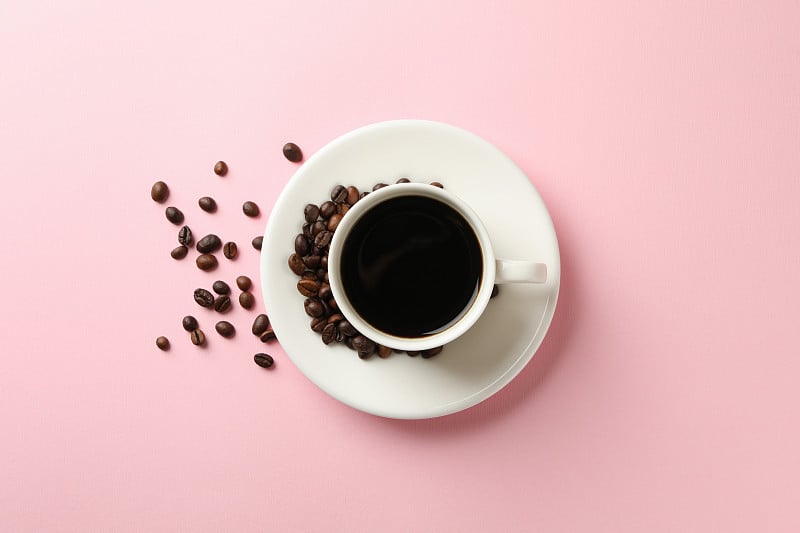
225 329
332 302
318 227
174 215
247 300
327 209
347 328
384 351
244 283
220 287
313 308
427 354
436 184
308 287
335 318
333 222
339 193
189 323
340 336
363 344
159 192
404 180
264 360
352 195
207 204
230 250
323 263
220 168
366 355
185 236
308 274
250 209
260 324
268 335
162 343
313 261
206 262
328 334
292 152
209 244
342 208
318 324
307 231
325 291
222 304
257 242
323 239
296 264
198 337
321 274
179 252
301 245
379 186
413 353
363 194
495 291
311 212
316 250
203 298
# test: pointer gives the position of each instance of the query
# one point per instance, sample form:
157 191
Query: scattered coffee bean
318 324
318 227
230 250
209 244
268 335
260 324
311 213
220 287
308 287
495 291
427 354
189 323
339 194
198 337
309 275
404 180
185 236
365 355
332 301
225 329
301 245
352 195
264 360
244 283
363 194
307 230
257 242
220 168
222 304
342 208
250 209
314 308
333 222
327 209
203 298
323 239
174 215
436 184
325 291
335 318
207 204
413 353
379 186
363 344
206 262
384 351
323 263
247 300
312 261
292 152
179 252
329 334
159 192
347 328
162 343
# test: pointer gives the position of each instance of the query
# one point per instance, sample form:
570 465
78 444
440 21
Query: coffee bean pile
310 263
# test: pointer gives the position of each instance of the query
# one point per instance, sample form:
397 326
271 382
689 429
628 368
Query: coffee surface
411 266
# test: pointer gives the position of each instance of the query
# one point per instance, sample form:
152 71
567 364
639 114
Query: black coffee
411 266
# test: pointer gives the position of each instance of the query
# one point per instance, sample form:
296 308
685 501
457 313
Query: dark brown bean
159 192
335 318
363 344
333 222
308 274
244 283
225 329
220 168
323 263
323 239
179 252
384 351
308 287
327 209
301 245
329 334
311 213
257 242
185 236
162 342
264 360
347 328
318 227
268 335
222 304
318 324
206 262
174 215
321 274
404 180
332 301
342 208
260 324
250 209
198 337
220 287
292 152
366 355
339 194
313 308
203 298
436 184
189 323
230 250
379 186
352 195
209 244
495 291
413 353
427 354
363 194
307 231
312 261
207 204
247 300
325 291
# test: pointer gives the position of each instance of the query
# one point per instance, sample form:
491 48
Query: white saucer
501 343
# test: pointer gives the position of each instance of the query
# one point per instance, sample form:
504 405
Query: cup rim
460 326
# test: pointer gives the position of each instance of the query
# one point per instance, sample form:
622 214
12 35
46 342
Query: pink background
664 137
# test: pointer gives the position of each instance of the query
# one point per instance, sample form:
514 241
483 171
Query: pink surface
664 140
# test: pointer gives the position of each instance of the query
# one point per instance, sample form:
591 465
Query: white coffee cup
494 271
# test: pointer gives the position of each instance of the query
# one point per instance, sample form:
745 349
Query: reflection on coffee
411 266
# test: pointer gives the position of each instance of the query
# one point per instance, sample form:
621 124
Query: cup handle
508 271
